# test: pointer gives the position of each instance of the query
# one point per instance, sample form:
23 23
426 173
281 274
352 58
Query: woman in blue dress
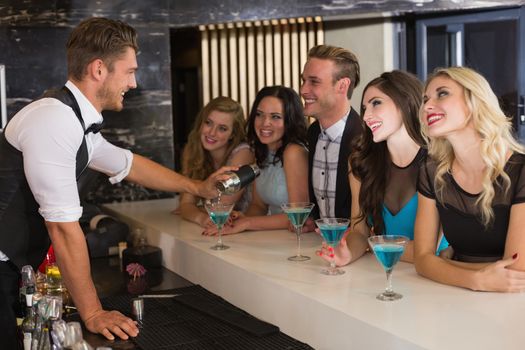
384 166
276 131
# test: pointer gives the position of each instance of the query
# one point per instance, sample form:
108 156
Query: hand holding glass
297 214
388 250
219 213
332 230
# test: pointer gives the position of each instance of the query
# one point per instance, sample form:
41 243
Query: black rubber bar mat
200 320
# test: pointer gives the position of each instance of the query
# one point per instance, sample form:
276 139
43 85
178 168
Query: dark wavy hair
369 160
294 122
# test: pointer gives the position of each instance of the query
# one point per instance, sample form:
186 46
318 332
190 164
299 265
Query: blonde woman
473 186
217 138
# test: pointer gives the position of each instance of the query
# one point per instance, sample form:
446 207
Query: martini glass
332 230
388 250
219 213
297 214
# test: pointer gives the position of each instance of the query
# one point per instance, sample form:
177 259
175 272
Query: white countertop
328 312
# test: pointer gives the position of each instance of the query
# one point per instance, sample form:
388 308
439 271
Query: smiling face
118 81
381 114
216 131
318 89
269 122
445 110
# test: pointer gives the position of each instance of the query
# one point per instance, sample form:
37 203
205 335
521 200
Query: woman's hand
238 225
497 277
341 253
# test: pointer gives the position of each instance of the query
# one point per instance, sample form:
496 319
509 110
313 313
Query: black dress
461 217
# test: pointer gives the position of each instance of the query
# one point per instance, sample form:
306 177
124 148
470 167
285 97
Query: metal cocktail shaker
238 179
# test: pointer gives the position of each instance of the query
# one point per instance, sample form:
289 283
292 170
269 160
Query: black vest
23 233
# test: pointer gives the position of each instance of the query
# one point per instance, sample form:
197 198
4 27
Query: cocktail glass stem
219 233
332 263
298 232
388 288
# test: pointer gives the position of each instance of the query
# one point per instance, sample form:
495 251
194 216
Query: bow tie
94 128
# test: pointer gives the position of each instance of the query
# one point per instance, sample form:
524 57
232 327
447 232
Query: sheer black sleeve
425 183
517 175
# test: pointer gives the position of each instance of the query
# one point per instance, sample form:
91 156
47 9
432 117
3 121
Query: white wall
371 40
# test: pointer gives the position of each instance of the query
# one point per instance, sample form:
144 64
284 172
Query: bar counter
328 312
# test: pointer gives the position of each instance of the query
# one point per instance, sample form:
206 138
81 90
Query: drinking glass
332 230
297 213
388 250
219 213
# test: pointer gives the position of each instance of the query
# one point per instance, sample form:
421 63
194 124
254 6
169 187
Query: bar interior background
193 51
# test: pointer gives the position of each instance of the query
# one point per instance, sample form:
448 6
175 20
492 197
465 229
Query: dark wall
33 34
34 55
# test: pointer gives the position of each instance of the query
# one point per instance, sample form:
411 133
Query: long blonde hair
493 127
197 162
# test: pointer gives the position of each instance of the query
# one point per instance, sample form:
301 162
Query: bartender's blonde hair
493 127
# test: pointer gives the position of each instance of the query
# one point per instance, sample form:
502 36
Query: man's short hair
345 61
101 38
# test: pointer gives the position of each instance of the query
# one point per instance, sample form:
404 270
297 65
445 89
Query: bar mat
170 324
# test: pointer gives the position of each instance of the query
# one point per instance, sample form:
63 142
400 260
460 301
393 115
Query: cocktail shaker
238 179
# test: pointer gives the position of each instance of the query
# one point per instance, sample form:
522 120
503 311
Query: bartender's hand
341 253
110 323
207 189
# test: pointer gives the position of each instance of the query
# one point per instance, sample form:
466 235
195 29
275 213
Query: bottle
29 322
238 179
27 288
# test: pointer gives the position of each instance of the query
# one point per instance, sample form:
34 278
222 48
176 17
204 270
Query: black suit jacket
343 196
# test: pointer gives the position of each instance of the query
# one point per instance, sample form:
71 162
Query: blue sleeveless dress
271 185
403 222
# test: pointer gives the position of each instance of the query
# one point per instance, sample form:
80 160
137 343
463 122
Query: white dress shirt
49 134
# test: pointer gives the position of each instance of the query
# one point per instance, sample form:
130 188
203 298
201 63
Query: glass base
389 296
220 247
299 258
332 272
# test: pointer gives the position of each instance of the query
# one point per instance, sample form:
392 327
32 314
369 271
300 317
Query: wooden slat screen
240 58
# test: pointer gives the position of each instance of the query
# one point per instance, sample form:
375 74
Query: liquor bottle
29 321
27 288
28 326
238 179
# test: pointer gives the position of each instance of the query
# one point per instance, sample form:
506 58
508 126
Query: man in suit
329 78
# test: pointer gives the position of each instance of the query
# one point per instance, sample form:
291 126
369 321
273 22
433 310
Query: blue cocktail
219 218
297 214
332 230
388 255
388 249
219 213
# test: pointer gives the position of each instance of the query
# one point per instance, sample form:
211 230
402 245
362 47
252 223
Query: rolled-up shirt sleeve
109 159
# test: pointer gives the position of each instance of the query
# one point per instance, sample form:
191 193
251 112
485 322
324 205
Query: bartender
43 150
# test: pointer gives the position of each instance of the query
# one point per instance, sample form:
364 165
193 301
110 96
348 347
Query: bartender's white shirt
49 134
